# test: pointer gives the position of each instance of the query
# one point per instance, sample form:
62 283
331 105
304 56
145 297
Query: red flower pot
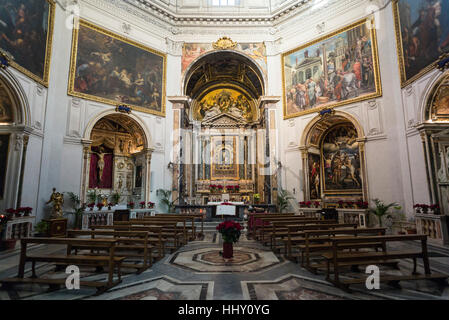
228 250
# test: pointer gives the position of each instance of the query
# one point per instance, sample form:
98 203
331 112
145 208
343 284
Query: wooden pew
130 244
187 221
155 237
338 257
296 234
173 235
111 261
254 220
319 241
190 215
267 224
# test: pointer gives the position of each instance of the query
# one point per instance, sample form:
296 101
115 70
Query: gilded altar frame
48 49
213 175
72 73
377 81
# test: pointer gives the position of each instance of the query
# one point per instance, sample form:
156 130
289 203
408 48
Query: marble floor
198 272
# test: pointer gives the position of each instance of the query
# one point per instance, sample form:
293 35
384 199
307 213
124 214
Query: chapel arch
333 155
117 157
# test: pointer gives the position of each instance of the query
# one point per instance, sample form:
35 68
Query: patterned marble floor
198 272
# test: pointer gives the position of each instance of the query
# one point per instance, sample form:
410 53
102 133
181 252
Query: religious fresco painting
111 69
341 160
422 33
4 146
314 161
331 71
26 31
221 101
191 51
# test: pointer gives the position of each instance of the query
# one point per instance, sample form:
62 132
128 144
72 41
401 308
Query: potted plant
417 208
381 209
26 211
91 206
283 200
150 205
308 204
256 198
316 204
424 208
340 203
349 204
230 232
78 208
92 196
100 205
435 209
41 229
110 205
142 204
237 188
115 198
131 205
165 199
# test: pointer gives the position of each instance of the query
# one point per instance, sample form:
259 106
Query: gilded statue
57 199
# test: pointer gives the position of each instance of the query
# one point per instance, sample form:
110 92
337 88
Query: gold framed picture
422 36
26 35
331 71
112 69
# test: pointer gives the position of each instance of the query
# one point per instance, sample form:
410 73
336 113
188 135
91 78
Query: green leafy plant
381 209
77 207
92 196
42 227
115 197
165 199
283 200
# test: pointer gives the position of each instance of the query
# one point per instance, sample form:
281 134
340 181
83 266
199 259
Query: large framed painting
341 165
422 34
111 69
26 31
4 148
331 71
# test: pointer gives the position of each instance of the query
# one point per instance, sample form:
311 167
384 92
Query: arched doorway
225 142
14 136
117 159
333 152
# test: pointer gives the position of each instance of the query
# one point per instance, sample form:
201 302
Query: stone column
85 173
148 156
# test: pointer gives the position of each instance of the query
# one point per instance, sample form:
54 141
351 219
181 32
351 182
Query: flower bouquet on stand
230 232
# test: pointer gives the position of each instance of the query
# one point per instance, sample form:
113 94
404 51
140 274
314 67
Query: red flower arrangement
100 205
142 204
12 211
131 205
316 204
150 205
91 205
226 204
230 231
340 203
350 204
362 204
110 205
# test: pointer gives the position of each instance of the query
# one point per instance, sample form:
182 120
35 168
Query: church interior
224 150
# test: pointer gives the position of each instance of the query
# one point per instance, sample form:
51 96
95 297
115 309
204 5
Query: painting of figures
314 176
114 70
256 51
422 29
337 69
26 28
4 145
341 160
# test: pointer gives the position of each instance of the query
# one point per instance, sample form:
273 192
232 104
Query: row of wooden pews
332 247
134 244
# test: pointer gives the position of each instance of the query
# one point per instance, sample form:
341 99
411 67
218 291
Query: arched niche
117 157
14 135
333 155
434 131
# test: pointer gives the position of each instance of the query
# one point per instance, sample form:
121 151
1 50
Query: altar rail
434 226
106 217
359 216
19 227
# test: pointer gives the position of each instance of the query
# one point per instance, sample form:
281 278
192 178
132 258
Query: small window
223 3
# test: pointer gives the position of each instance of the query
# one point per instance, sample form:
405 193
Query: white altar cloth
226 210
